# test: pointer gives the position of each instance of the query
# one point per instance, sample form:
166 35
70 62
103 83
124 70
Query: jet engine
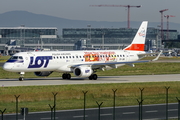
82 71
44 73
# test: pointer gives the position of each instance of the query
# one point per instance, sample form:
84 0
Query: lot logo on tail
142 33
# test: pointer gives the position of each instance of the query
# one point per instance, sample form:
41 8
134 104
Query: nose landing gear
21 78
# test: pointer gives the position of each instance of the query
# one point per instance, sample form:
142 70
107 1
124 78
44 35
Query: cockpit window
20 57
16 57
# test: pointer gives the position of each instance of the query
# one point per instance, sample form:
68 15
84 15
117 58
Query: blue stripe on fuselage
15 61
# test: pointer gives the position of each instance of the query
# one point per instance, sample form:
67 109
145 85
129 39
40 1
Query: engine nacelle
43 73
82 71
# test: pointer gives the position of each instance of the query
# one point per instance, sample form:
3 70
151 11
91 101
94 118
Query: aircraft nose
7 67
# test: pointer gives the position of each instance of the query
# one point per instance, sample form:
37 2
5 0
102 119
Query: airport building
114 38
13 39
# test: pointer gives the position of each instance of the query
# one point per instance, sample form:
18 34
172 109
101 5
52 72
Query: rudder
138 42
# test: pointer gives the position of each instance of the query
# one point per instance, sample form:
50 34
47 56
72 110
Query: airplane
83 64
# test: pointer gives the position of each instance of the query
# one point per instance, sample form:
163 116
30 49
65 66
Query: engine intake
82 71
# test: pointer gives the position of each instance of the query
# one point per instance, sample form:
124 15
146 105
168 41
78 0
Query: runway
101 79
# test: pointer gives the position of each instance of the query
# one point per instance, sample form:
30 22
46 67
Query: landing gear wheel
66 76
21 78
93 77
90 77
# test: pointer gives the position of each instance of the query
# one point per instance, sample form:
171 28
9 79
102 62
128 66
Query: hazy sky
81 10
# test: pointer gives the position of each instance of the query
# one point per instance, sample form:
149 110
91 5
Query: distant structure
108 38
13 39
167 33
162 34
16 39
128 6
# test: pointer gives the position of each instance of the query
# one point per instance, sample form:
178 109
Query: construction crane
167 32
128 6
161 11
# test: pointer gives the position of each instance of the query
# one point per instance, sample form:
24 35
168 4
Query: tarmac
100 80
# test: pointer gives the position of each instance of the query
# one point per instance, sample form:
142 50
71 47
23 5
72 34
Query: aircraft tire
64 76
68 76
90 77
94 77
21 79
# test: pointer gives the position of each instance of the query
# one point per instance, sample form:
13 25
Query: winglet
138 42
157 56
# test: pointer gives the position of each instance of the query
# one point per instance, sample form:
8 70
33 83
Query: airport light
85 92
167 89
2 113
141 102
17 106
51 110
140 110
178 108
99 106
114 103
54 104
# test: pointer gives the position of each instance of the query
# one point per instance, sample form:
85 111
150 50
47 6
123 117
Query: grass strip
37 98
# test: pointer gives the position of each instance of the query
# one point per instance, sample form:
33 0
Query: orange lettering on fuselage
99 56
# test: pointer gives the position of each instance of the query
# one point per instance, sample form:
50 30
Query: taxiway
101 79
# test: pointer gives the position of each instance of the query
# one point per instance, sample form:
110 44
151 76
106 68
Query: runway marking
80 116
129 113
105 114
173 110
48 118
152 119
151 111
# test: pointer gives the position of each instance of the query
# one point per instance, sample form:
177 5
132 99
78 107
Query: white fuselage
61 61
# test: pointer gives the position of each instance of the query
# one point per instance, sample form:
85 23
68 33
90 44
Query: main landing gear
21 78
93 77
66 76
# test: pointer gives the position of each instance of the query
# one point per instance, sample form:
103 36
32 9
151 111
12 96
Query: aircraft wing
148 53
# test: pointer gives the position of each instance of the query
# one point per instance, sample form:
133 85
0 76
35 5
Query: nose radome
7 66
